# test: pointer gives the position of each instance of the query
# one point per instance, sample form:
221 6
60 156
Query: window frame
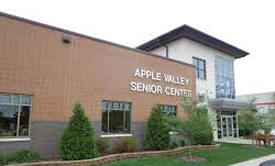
169 105
198 69
108 117
18 137
271 107
224 73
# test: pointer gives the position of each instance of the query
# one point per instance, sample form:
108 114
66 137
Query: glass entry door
227 126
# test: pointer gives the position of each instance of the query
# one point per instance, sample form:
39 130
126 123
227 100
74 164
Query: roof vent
66 39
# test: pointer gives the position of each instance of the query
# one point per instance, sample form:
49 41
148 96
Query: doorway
227 126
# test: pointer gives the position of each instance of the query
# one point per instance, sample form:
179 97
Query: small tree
157 131
202 130
196 126
77 141
250 120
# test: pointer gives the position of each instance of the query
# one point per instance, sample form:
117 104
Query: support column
237 124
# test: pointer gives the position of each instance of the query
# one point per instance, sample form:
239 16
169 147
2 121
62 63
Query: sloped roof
196 35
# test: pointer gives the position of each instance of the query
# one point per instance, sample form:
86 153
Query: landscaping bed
116 157
225 155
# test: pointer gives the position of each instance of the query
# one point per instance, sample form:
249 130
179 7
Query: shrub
176 141
157 130
102 145
22 156
2 160
203 138
127 145
175 124
174 144
202 130
182 142
77 141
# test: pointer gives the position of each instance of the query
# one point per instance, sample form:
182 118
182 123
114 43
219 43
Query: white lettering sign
158 89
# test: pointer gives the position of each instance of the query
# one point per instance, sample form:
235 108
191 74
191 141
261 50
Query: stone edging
116 157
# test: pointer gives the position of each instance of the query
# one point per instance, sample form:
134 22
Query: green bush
176 141
203 138
174 144
127 145
157 130
202 130
102 145
22 156
182 142
77 141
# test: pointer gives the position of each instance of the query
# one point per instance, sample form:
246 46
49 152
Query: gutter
167 50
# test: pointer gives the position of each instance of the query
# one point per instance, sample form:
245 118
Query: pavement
255 162
236 141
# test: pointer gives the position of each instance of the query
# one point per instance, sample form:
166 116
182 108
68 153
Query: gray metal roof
196 35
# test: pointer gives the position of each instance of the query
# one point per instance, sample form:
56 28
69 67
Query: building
214 63
264 102
45 70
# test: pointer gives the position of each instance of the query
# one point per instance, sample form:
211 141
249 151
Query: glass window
16 99
116 121
5 99
116 117
24 121
224 78
200 68
14 116
25 100
169 109
271 108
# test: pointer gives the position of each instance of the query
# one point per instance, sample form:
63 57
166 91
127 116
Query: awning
227 103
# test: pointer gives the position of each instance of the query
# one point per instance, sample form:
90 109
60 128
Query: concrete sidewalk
236 141
255 162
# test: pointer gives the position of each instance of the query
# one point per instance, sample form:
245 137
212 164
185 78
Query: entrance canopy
227 104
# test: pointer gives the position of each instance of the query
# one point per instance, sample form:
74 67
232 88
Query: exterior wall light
66 39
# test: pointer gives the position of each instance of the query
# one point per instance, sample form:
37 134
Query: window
224 78
116 117
271 108
169 109
200 68
14 115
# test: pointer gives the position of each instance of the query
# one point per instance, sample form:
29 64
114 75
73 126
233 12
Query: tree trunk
253 137
189 145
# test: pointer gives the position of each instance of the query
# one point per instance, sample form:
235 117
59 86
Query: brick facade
35 61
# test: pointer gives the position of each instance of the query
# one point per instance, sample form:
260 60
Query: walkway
255 162
236 141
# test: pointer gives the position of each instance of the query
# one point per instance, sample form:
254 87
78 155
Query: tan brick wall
35 61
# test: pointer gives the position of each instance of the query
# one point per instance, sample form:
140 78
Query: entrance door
227 126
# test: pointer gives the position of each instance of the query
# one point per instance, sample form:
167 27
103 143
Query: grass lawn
227 154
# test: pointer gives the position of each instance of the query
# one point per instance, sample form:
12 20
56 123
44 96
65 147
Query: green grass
227 154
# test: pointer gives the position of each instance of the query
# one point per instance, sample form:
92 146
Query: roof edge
186 31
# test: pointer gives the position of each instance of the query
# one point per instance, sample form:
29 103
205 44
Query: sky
247 24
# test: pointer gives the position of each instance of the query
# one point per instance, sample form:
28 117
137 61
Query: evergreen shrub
157 130
77 141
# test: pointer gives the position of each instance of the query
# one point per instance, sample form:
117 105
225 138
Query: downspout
167 50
